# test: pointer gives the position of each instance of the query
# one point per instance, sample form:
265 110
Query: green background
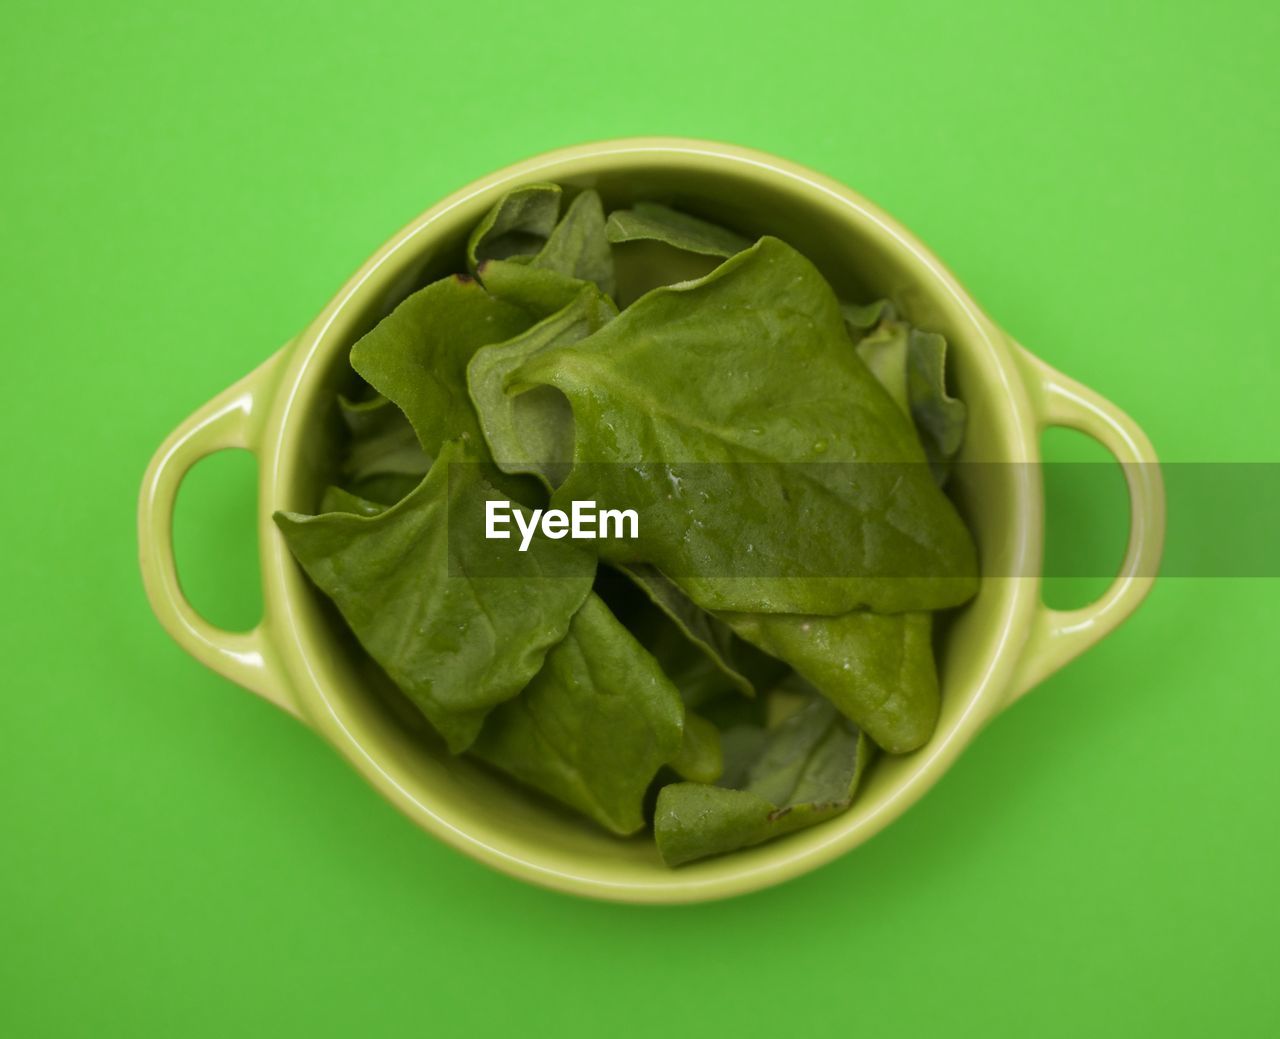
184 186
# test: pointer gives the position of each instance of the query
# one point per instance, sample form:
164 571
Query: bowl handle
231 420
1058 636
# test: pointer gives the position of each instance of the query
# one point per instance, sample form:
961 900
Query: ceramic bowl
999 646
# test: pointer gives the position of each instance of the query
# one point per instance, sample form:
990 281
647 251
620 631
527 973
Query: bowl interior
864 257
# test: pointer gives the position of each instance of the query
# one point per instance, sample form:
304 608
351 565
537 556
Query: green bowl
999 646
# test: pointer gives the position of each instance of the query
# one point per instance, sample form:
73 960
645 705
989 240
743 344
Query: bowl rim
778 861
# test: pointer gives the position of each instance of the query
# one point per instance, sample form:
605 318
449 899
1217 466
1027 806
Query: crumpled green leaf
711 637
524 230
747 374
337 499
595 724
700 759
878 669
652 221
517 225
539 291
382 442
884 351
861 318
911 366
577 246
457 645
802 772
384 488
688 665
533 432
417 356
939 417
731 709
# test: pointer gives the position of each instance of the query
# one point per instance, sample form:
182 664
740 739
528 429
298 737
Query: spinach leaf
539 291
575 252
382 441
911 366
884 351
712 638
577 246
687 664
652 221
700 758
730 711
800 773
694 673
383 488
517 225
939 417
861 318
417 356
644 266
747 373
595 724
456 645
533 432
878 669
335 499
